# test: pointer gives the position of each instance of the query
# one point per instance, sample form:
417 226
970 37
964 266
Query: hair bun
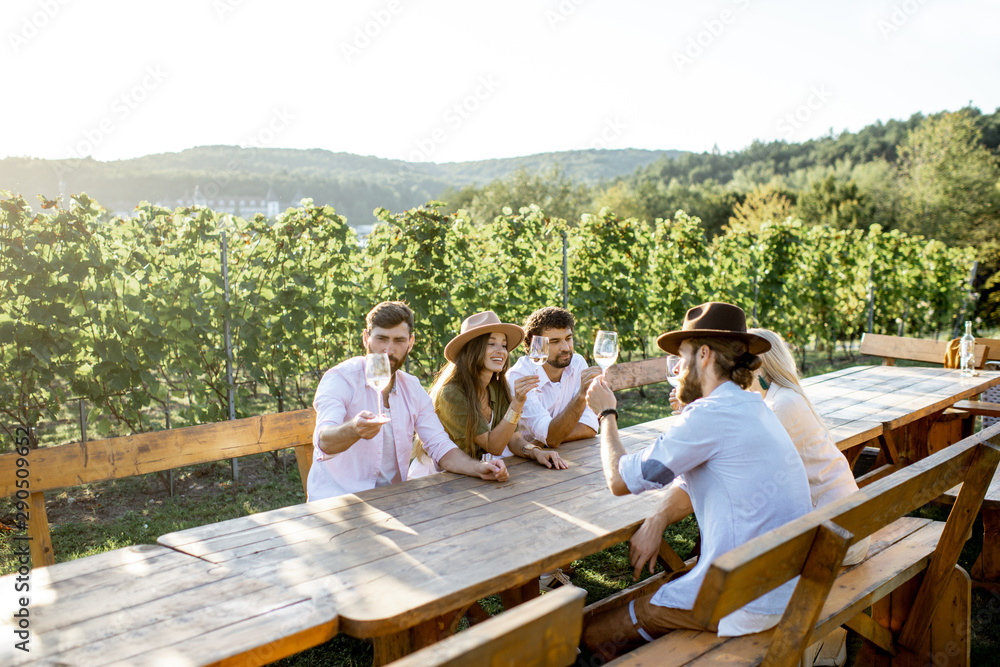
748 360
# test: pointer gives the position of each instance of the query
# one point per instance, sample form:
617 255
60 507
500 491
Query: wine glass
378 373
673 370
606 349
538 353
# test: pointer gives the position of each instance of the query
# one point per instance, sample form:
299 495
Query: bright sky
452 80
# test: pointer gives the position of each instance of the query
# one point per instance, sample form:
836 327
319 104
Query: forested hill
353 184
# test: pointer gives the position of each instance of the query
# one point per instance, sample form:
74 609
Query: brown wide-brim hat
479 324
713 320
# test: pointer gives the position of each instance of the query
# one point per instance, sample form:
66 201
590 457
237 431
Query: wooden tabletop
856 399
392 557
147 605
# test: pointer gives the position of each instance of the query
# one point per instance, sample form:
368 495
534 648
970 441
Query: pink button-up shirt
340 396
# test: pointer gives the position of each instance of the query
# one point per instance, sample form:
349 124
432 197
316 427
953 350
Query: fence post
83 423
565 268
871 298
231 394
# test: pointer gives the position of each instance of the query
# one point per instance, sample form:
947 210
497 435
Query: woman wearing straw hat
472 399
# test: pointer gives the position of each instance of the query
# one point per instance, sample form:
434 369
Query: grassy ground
95 518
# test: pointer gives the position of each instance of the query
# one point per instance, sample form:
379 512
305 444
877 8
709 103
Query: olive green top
451 409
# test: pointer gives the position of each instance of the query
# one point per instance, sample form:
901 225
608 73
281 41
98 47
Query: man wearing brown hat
353 450
713 459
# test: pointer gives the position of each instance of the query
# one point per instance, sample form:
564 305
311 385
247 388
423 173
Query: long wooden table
149 605
398 564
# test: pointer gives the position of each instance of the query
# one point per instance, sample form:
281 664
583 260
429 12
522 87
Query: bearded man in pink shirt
353 450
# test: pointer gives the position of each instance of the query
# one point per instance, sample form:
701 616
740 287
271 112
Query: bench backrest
632 374
993 348
815 544
891 348
48 468
543 632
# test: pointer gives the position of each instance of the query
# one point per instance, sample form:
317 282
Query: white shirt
541 407
389 470
744 478
830 477
342 394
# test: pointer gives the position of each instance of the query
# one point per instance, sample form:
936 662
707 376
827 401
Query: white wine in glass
538 352
378 373
606 349
673 366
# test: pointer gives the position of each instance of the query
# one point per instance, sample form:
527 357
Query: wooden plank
38 530
983 408
956 532
304 459
792 635
679 646
949 634
633 374
913 349
872 631
543 632
114 458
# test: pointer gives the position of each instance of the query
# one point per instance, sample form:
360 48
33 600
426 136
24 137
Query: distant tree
762 204
833 202
551 191
948 182
623 199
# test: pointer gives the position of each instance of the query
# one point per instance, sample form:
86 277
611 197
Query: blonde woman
472 399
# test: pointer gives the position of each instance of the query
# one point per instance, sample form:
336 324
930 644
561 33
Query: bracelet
512 417
530 447
605 413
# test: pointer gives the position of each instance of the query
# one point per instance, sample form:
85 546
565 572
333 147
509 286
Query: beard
395 364
690 385
562 361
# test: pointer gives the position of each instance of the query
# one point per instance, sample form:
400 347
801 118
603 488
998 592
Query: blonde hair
779 364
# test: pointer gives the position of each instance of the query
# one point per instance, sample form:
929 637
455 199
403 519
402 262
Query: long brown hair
463 375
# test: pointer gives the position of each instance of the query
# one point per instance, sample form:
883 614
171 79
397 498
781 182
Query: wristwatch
529 448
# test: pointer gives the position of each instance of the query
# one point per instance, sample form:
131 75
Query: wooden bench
543 632
919 597
50 468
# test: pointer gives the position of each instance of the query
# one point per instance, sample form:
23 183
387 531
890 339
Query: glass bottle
967 348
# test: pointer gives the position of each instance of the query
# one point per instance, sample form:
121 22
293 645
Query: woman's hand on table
550 459
494 470
522 386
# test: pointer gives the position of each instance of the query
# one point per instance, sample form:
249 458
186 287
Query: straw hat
477 325
713 320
